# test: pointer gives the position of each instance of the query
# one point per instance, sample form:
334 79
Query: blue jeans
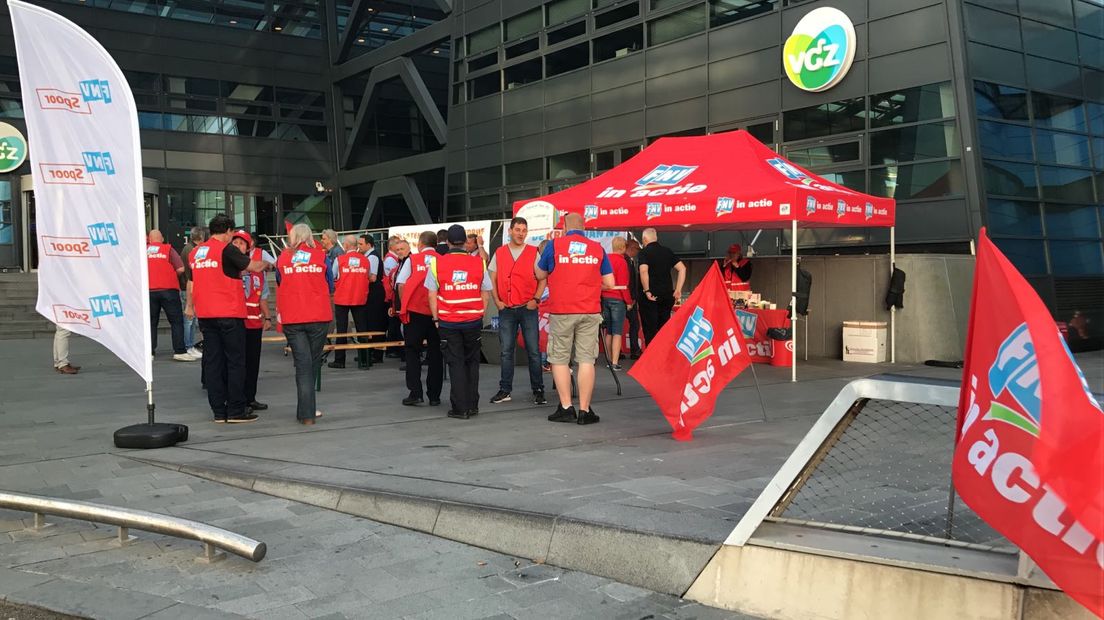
509 320
306 341
190 325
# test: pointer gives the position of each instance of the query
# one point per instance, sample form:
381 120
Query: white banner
411 233
82 128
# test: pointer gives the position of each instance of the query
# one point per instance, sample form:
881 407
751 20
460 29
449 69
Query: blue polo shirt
547 260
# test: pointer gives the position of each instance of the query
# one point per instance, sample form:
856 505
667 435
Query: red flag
288 225
1021 390
697 353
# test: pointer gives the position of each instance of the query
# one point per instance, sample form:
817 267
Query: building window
616 15
1014 217
566 33
1075 258
522 172
915 142
559 11
620 43
485 178
520 49
1028 256
567 59
676 25
485 85
917 181
1000 102
1005 140
824 120
565 165
723 12
912 105
523 25
522 73
820 156
485 39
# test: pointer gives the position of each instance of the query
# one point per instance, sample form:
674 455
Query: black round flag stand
151 434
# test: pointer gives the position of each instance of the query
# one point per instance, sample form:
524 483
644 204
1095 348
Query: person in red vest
736 269
378 292
351 280
616 302
215 297
418 325
303 299
517 293
459 292
577 270
397 251
165 267
258 317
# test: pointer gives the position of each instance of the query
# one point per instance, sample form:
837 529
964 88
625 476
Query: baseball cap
244 236
457 235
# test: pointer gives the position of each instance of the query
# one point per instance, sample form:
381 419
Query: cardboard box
864 341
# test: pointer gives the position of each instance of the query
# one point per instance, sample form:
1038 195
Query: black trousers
394 332
252 362
421 328
224 365
462 348
654 315
169 301
376 311
634 329
341 315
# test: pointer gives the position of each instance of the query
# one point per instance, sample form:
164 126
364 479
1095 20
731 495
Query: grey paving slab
321 563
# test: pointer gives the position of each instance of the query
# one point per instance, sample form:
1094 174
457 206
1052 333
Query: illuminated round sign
820 51
13 148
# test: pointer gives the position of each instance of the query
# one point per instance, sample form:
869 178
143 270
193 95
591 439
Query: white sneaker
195 353
183 357
317 414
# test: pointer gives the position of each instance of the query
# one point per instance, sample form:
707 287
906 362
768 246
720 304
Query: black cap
457 235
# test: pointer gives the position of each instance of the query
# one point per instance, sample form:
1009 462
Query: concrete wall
932 325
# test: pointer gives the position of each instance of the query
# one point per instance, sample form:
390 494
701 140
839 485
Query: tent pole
793 297
892 309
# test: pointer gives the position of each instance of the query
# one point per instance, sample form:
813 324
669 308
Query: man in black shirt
656 263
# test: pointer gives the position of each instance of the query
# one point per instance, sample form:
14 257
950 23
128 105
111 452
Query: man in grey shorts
577 270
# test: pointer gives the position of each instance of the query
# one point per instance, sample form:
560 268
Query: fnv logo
590 212
868 210
103 233
459 277
725 205
787 169
201 252
810 205
152 250
665 175
841 208
98 161
95 90
301 257
576 248
748 321
820 51
653 210
354 262
696 341
106 305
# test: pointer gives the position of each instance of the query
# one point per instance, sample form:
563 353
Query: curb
657 562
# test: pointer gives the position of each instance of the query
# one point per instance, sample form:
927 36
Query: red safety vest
459 284
351 288
304 295
516 281
732 280
162 276
415 297
575 284
389 278
216 296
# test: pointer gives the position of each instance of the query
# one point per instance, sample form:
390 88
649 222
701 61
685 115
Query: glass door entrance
255 213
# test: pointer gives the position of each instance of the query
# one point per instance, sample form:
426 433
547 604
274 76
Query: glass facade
299 18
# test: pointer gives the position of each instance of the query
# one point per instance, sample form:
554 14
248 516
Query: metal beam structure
397 186
392 168
410 44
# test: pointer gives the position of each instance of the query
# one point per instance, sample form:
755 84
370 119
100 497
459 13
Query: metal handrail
125 518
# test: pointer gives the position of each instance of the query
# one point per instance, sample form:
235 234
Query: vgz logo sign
75 102
820 51
106 305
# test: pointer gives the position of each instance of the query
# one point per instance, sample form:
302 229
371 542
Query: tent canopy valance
722 181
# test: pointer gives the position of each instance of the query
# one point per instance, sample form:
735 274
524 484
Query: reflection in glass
1058 112
1075 258
567 165
1003 102
485 178
820 156
915 181
931 141
1014 217
1066 184
727 11
852 179
1005 140
1071 221
676 25
824 120
522 25
1046 40
524 171
1027 256
7 222
1009 179
1062 148
911 105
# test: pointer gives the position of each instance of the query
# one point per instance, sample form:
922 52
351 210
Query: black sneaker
587 417
538 398
244 419
219 420
412 400
459 415
336 365
434 402
616 367
258 406
473 412
562 415
501 397
402 367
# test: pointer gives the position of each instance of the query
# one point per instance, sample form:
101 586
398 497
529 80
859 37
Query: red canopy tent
721 181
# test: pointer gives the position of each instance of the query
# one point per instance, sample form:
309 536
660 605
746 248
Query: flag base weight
150 435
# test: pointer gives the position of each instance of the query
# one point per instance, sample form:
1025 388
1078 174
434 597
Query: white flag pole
86 161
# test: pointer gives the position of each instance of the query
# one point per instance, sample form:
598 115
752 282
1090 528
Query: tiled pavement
321 564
